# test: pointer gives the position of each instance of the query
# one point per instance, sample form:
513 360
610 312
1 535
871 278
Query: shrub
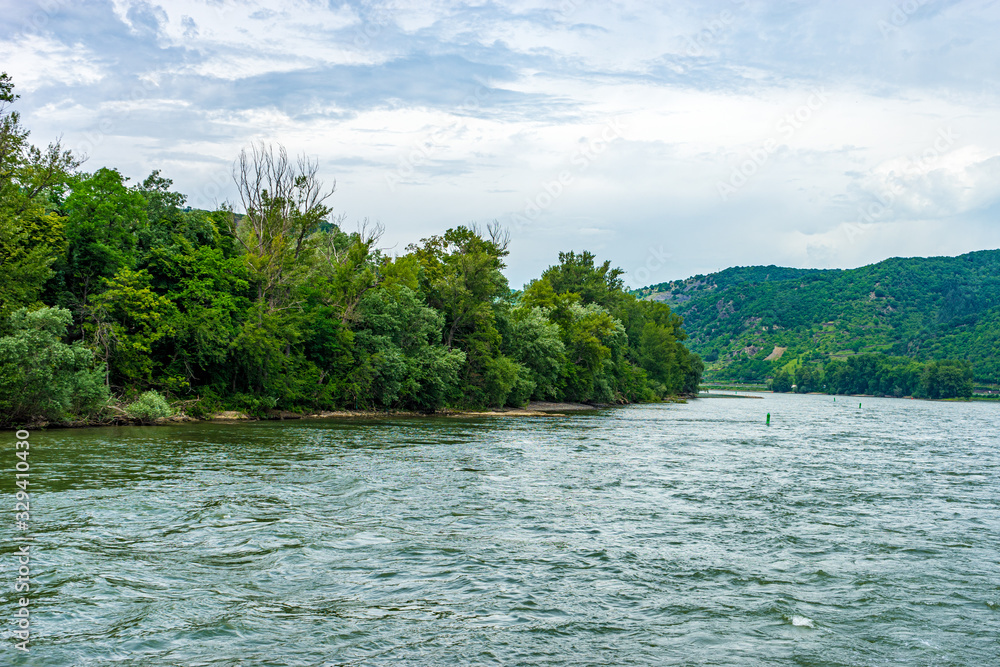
254 406
43 378
148 407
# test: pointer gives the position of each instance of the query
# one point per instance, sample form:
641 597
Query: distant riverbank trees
878 375
126 291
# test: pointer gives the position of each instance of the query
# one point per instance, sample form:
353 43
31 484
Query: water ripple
645 535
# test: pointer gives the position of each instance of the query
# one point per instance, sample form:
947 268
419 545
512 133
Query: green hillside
917 308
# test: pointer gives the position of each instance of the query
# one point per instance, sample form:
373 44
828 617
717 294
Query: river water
643 535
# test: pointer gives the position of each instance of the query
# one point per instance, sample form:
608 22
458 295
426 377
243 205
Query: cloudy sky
672 138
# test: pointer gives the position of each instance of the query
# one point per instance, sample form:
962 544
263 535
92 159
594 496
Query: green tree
41 377
460 276
578 273
807 378
31 230
532 340
104 219
644 358
661 353
401 361
947 379
123 322
210 297
782 381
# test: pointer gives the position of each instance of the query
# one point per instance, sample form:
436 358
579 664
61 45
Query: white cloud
38 61
938 184
381 92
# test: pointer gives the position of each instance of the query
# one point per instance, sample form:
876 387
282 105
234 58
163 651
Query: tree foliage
42 378
274 305
32 182
924 309
877 375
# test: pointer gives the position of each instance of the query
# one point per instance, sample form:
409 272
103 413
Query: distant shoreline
984 398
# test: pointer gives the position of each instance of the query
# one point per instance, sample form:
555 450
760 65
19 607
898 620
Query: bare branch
284 205
499 235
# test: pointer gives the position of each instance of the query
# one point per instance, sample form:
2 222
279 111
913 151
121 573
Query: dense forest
754 323
877 375
117 299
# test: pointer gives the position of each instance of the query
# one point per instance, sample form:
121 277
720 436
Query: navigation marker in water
768 418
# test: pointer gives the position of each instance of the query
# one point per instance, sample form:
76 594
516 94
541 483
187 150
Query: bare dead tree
499 235
283 204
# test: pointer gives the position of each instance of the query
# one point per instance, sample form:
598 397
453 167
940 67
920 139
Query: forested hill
917 308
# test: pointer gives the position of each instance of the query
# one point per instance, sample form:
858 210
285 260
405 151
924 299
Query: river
642 535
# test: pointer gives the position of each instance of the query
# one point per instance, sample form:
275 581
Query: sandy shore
533 409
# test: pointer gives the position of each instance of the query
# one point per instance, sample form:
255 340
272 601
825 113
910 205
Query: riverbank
709 393
532 409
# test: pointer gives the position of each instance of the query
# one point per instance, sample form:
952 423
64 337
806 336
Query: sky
671 138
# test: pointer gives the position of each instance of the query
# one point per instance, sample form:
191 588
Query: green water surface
643 535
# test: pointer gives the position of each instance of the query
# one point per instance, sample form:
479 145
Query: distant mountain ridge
922 307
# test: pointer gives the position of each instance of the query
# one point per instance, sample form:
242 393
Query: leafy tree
662 355
104 219
947 379
401 360
533 341
589 338
124 321
32 232
782 381
43 378
460 276
578 273
808 378
643 357
210 296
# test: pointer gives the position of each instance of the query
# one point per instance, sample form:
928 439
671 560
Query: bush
149 407
254 406
43 378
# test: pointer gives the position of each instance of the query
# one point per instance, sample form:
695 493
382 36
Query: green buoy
859 406
768 418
